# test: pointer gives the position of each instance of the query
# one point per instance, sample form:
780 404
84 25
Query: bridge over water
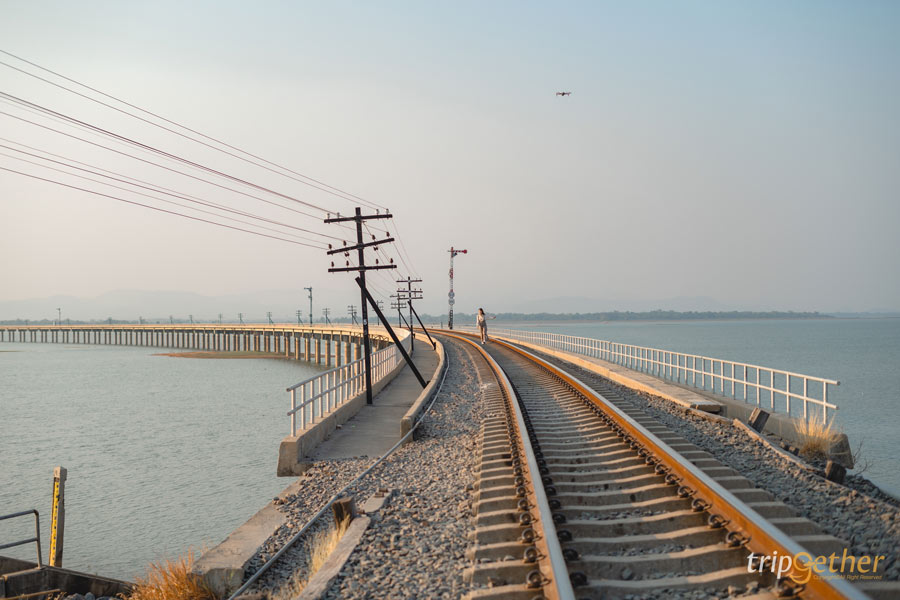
332 345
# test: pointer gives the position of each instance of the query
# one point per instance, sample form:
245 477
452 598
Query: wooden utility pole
361 268
410 295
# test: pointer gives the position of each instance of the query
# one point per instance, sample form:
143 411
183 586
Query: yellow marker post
58 517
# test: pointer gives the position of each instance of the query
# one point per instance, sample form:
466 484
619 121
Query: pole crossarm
365 268
358 246
359 217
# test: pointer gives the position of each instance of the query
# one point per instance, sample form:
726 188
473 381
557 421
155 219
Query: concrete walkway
376 427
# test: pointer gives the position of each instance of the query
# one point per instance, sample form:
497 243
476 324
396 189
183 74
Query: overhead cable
156 208
330 189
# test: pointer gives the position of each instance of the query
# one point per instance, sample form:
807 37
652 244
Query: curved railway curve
580 497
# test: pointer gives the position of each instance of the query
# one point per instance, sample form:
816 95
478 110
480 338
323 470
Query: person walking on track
481 321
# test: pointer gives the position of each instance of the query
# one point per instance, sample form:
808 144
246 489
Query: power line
319 245
154 189
62 119
401 250
150 162
345 195
74 187
154 186
161 152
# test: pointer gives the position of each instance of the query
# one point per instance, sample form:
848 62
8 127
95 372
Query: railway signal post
451 297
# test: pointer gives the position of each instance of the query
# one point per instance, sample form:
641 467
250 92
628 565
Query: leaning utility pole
310 304
241 318
351 310
411 295
451 297
325 312
361 268
269 315
299 322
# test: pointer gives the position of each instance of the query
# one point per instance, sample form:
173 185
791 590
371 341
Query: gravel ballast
415 545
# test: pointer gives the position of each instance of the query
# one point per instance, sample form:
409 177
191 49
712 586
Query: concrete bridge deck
331 345
375 428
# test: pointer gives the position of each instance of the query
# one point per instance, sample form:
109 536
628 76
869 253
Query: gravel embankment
415 545
871 526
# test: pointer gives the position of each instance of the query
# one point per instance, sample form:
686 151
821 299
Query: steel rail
559 573
340 493
760 535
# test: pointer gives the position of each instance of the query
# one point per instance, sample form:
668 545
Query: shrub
816 436
171 580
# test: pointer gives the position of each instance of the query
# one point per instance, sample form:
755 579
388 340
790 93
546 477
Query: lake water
863 354
163 454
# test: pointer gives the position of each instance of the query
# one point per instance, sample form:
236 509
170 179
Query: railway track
581 495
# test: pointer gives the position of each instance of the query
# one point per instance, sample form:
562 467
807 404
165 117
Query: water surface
163 453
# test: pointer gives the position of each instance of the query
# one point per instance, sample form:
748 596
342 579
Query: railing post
294 412
787 393
806 394
772 389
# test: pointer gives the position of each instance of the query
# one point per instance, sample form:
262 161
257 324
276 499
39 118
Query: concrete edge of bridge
294 449
414 412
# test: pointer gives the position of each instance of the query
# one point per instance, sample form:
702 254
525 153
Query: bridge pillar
328 349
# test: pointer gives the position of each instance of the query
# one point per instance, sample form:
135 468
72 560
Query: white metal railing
326 391
750 383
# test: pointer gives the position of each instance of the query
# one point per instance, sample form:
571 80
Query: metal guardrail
37 533
325 392
741 381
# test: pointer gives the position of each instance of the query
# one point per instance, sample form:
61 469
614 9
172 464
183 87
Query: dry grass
321 547
171 580
816 436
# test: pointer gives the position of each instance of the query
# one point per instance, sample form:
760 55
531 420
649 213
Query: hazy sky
746 152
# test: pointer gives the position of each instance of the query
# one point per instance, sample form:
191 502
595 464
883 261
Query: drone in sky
563 93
